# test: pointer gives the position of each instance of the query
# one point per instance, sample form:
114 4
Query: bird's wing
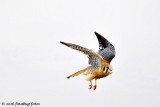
94 58
106 49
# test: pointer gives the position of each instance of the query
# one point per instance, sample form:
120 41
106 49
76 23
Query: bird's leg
95 86
90 85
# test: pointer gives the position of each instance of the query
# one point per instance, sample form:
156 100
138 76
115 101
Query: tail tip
68 77
61 42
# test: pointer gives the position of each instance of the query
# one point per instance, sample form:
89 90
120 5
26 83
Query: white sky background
34 65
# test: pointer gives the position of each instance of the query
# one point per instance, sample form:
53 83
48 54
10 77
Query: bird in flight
99 62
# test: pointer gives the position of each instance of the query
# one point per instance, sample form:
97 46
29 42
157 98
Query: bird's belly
90 77
95 75
99 74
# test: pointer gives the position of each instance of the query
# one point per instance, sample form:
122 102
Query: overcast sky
34 65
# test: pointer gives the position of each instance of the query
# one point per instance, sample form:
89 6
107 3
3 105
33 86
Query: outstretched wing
94 58
106 49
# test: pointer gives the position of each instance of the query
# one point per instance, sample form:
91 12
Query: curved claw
94 87
90 86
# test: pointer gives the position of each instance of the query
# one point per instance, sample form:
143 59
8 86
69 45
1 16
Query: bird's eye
105 69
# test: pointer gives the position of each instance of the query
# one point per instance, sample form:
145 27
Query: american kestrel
99 62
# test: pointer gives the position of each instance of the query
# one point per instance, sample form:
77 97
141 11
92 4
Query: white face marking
105 69
110 70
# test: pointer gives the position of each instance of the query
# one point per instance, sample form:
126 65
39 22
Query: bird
99 62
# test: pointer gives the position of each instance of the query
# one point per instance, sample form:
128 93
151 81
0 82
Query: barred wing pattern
94 58
106 49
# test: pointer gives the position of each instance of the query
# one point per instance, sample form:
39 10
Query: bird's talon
90 86
94 87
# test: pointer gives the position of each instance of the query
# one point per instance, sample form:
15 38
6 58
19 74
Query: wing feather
106 49
94 58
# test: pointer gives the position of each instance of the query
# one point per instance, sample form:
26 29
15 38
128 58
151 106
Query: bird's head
107 69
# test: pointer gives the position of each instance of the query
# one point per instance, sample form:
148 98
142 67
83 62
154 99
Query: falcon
99 62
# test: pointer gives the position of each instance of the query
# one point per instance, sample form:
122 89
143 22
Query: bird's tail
78 73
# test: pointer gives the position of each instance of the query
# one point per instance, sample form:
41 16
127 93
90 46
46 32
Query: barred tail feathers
77 73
